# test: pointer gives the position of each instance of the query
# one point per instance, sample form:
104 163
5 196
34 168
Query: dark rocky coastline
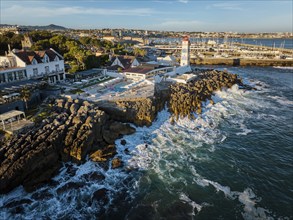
187 98
77 128
74 130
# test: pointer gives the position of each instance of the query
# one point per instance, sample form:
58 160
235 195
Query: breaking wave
193 169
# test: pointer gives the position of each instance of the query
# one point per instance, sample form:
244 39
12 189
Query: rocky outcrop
187 98
78 128
74 130
116 163
140 111
104 154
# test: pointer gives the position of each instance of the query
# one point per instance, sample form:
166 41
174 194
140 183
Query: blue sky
176 15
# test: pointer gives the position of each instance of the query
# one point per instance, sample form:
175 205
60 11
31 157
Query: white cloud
49 12
227 5
183 1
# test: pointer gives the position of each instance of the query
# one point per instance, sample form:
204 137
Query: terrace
11 91
14 121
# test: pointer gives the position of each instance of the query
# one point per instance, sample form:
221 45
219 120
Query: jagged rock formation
140 111
187 98
78 128
74 130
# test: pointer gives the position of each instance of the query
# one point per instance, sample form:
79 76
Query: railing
54 72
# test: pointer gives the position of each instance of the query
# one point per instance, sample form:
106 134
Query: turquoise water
119 88
235 161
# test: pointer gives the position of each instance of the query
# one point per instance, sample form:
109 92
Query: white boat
284 67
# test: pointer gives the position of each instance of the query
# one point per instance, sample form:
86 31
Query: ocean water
235 161
277 43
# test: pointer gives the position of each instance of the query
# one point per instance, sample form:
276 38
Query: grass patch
76 91
94 82
41 116
32 111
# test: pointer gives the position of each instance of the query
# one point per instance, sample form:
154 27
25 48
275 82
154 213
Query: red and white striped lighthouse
185 52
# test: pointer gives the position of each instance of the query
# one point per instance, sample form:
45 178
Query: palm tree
139 52
25 95
143 52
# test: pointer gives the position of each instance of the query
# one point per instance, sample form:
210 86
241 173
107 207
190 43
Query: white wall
134 76
117 62
41 67
114 74
19 62
180 70
4 61
135 63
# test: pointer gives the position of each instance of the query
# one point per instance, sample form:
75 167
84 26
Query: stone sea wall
242 62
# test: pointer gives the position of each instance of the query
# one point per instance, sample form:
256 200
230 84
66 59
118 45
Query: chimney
9 49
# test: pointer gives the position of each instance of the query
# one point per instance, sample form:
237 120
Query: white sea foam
163 149
183 197
247 198
204 129
281 100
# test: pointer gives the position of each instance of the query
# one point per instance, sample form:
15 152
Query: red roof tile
28 56
139 69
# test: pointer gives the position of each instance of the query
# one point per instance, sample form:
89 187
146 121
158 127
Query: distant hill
47 27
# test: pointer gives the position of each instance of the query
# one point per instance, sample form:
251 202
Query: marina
146 110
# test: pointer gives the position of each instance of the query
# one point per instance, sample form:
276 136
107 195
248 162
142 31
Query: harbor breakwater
76 129
242 62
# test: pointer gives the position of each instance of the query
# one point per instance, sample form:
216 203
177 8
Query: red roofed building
47 64
123 62
145 71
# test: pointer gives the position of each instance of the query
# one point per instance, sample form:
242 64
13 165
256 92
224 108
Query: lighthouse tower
185 52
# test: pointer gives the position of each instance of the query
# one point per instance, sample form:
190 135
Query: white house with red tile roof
47 64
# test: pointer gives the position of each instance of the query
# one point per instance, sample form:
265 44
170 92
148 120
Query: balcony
51 73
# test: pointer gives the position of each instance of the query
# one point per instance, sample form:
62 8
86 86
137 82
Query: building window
47 69
57 67
10 77
46 59
21 75
2 78
35 71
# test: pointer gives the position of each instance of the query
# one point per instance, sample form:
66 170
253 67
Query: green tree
139 52
85 40
14 40
92 61
41 45
58 43
25 95
40 35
